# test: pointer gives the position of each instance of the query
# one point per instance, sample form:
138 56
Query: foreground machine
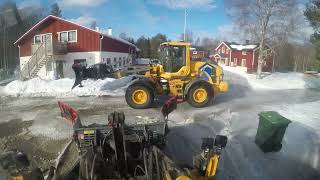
177 75
117 150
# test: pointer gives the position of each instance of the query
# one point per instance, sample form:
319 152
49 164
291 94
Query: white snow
62 87
242 47
276 81
307 114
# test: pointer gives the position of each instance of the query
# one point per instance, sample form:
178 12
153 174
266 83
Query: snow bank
307 114
277 81
62 88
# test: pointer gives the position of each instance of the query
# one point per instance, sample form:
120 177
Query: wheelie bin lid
274 118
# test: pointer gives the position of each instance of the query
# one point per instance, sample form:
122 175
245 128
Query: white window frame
74 41
223 49
244 52
244 64
41 37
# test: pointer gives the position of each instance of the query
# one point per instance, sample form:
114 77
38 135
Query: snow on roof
243 47
55 17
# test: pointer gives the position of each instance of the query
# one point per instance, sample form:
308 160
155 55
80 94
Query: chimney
97 29
247 42
109 31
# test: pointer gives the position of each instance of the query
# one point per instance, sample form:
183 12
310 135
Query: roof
57 18
243 47
239 47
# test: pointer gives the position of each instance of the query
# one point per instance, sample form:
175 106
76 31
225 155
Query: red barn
52 46
245 56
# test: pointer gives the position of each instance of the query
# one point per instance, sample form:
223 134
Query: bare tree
262 19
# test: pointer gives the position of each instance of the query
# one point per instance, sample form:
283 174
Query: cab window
173 58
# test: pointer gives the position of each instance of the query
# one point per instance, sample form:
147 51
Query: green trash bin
272 127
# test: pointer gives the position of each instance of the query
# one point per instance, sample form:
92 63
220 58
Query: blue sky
145 17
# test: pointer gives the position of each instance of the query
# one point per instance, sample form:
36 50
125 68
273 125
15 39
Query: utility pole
185 24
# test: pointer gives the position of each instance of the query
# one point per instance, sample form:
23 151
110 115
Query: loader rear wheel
199 96
139 96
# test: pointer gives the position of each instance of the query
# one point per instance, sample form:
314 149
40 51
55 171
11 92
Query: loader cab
175 57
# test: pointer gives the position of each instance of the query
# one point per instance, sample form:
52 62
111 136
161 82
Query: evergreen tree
312 13
55 10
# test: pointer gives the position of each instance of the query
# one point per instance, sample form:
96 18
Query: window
108 60
172 58
119 58
114 59
128 60
120 64
64 36
243 63
219 51
68 36
81 61
124 62
244 52
235 60
37 39
72 36
223 49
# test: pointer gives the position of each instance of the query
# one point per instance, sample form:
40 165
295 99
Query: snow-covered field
277 81
62 88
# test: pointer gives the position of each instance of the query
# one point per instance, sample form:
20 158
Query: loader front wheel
139 96
199 96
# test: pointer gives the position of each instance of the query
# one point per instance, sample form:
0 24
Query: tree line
280 24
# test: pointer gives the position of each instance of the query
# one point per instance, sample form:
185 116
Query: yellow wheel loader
177 75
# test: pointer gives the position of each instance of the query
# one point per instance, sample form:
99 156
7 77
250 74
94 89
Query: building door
59 69
243 63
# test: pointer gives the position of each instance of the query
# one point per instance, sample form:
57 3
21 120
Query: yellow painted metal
200 95
212 166
176 43
186 73
223 86
88 132
183 178
139 96
17 178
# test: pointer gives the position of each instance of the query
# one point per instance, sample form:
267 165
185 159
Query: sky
135 18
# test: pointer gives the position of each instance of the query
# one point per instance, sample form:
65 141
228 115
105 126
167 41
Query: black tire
131 89
193 102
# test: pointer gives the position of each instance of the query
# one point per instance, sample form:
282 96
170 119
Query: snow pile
62 88
277 81
306 114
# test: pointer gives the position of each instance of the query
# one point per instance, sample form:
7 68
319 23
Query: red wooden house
244 56
52 46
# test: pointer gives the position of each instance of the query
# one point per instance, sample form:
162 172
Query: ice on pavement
276 81
62 87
